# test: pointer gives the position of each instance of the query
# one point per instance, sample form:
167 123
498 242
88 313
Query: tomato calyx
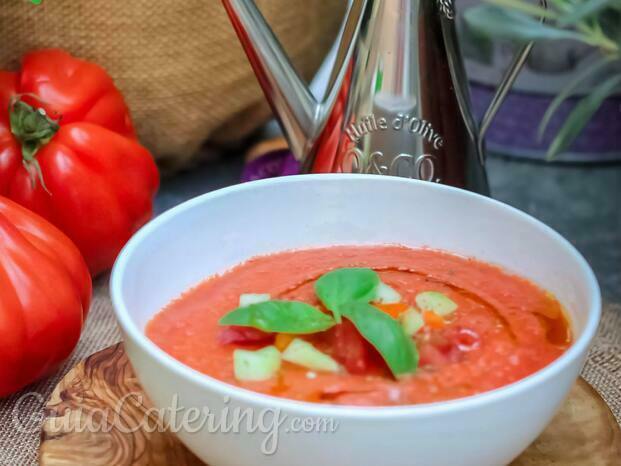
33 128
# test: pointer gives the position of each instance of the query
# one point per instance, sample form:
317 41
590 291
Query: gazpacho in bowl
431 325
364 325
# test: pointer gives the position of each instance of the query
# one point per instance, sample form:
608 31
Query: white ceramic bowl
215 231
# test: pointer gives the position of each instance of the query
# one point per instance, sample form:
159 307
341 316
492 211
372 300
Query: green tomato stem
33 129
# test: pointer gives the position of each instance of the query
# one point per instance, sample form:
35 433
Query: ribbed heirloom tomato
45 292
68 151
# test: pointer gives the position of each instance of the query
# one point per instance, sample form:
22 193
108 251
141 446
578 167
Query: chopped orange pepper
393 309
283 340
433 320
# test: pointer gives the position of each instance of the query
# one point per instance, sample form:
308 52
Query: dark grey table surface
582 202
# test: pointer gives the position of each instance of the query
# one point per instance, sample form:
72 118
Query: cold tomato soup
364 325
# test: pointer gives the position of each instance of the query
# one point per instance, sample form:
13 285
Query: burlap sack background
178 62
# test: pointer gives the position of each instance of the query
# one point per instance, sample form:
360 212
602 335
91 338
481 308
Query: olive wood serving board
583 433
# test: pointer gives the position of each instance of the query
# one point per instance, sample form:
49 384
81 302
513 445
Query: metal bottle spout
298 112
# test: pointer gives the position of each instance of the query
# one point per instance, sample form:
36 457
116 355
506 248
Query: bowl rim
304 408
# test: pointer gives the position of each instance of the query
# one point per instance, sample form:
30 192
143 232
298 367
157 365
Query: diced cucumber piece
412 321
436 302
306 355
247 299
254 366
387 294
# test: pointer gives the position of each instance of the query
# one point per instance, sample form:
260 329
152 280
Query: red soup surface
504 327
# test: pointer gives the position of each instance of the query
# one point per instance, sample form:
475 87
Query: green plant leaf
508 24
385 334
609 23
581 114
476 45
346 285
582 10
525 7
569 89
280 316
561 5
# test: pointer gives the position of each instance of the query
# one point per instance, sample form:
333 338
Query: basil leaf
280 316
386 335
346 285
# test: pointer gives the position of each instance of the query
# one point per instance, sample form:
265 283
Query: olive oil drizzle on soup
499 329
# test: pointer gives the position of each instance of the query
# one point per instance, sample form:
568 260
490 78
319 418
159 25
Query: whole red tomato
45 292
68 152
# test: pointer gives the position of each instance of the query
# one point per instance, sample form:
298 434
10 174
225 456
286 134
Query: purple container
270 165
514 130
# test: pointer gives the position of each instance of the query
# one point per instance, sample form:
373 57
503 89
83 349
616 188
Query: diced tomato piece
352 350
431 355
464 339
243 335
448 346
440 350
